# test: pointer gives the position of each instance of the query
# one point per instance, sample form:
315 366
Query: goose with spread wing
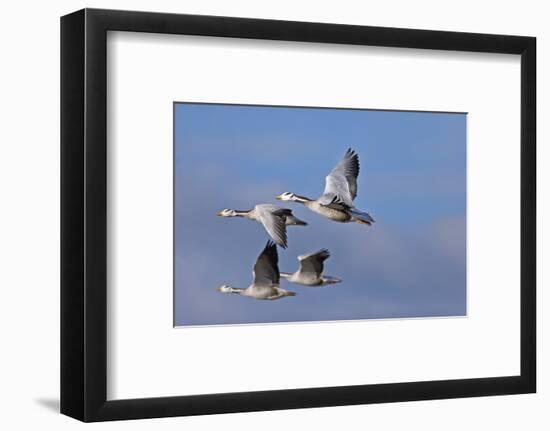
336 202
265 284
310 272
273 218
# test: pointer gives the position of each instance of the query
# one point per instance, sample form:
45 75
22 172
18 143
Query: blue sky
410 263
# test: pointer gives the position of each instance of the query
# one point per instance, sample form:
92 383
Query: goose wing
273 219
266 269
313 263
341 183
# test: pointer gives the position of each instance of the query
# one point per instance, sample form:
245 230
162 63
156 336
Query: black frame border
84 214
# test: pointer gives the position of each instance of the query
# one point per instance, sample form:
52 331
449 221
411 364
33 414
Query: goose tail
294 221
361 217
327 279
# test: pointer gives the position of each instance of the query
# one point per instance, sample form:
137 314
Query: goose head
287 196
224 288
227 213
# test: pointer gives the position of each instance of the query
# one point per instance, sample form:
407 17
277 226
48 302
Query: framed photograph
262 215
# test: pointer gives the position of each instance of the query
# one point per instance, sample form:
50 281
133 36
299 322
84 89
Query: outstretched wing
341 183
266 269
313 263
273 219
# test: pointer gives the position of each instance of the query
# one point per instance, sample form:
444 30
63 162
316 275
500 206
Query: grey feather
266 269
341 182
313 263
273 219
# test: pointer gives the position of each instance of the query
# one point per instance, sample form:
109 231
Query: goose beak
219 213
279 198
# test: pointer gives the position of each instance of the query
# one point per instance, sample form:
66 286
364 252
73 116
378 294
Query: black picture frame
84 214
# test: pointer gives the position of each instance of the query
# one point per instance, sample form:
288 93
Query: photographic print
306 214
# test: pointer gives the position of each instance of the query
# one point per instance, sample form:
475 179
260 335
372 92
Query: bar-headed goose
336 202
272 217
265 284
310 272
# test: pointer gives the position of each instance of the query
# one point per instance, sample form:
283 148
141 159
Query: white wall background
29 216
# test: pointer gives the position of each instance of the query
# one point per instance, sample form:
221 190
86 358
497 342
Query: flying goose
272 217
336 202
265 284
311 270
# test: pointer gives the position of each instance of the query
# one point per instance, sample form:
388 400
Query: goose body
332 213
336 202
265 284
273 218
310 272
